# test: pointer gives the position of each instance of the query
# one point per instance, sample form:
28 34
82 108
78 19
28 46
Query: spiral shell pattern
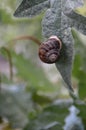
49 51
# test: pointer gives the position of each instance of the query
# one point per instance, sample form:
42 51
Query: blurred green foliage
79 70
28 100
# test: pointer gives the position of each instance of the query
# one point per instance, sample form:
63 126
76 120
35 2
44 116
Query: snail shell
49 51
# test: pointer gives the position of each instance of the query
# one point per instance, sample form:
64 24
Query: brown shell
49 51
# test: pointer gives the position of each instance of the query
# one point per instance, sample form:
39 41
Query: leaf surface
29 8
56 23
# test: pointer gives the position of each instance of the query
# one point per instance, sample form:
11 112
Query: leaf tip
17 13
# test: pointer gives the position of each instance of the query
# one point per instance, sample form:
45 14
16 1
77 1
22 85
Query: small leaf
29 8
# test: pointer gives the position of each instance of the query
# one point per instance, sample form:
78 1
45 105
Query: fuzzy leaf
56 23
59 18
29 8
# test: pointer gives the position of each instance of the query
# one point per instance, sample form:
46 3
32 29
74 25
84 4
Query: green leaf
31 73
51 118
40 99
15 105
79 65
56 23
82 112
29 8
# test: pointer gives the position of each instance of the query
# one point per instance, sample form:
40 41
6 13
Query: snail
49 51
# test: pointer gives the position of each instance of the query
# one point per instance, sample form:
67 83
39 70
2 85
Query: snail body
49 51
